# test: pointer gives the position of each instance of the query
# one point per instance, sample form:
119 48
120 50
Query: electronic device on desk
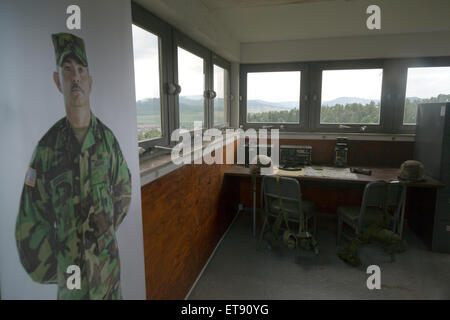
293 157
341 152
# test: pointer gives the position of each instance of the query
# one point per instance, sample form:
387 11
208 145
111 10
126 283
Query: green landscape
342 113
344 110
191 109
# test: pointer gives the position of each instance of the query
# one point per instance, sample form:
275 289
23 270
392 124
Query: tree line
349 113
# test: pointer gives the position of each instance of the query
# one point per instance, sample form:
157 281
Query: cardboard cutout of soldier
77 191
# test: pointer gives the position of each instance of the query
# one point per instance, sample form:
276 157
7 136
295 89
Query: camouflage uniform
74 199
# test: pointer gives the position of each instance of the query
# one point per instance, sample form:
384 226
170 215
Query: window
425 84
147 83
191 78
221 102
152 63
165 61
346 96
351 96
273 97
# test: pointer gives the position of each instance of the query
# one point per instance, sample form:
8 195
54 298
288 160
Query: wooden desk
421 196
383 174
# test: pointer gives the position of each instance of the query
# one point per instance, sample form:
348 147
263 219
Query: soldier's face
74 82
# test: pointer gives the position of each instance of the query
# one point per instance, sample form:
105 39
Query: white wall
330 19
336 30
361 47
30 105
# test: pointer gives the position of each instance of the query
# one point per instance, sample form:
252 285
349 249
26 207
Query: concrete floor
239 271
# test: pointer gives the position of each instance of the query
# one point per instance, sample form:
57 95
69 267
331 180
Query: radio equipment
295 156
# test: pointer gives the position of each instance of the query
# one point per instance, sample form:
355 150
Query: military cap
412 170
68 44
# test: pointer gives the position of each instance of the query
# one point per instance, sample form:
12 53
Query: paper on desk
330 172
343 173
289 173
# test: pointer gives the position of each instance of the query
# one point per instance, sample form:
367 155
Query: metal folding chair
283 204
380 198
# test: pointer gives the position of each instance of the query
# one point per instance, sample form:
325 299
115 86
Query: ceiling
278 20
226 4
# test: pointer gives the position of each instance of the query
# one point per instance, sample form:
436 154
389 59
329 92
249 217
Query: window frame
147 21
404 64
316 97
303 124
170 39
226 65
392 98
186 43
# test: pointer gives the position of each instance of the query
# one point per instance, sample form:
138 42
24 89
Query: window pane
191 78
351 96
273 97
221 100
146 74
425 85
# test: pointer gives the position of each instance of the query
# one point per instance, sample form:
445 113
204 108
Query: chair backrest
395 199
283 193
385 196
374 196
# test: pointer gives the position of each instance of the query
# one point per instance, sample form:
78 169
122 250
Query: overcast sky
352 83
428 82
190 73
275 86
146 65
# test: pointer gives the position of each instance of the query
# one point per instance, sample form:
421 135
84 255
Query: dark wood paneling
326 197
361 152
184 215
322 150
379 153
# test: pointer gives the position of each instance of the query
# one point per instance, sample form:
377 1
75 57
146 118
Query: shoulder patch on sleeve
30 178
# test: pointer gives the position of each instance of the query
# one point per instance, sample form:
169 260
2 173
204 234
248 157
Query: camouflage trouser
290 239
389 240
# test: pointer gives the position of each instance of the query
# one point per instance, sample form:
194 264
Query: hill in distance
151 106
254 106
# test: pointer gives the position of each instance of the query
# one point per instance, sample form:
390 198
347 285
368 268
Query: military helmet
67 44
412 170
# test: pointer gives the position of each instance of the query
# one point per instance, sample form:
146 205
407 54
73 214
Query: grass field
186 119
149 119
